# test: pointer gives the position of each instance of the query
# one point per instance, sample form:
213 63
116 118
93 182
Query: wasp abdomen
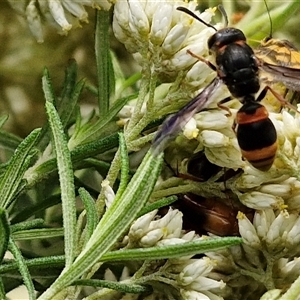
256 135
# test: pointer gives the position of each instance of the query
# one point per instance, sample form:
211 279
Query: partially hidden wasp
210 214
238 68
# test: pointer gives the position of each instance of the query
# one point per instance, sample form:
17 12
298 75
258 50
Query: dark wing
174 124
290 77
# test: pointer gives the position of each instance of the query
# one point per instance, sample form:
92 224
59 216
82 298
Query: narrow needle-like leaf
22 268
115 221
18 164
66 179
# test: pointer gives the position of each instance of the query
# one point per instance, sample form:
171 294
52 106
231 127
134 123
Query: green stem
256 24
145 82
105 73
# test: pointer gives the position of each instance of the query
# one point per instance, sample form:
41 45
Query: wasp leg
213 67
281 99
224 107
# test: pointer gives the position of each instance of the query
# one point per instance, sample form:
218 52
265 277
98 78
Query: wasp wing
290 77
174 124
279 52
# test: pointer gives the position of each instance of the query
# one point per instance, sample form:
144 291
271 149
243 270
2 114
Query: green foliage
48 208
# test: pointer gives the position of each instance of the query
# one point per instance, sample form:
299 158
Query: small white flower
248 231
228 156
192 271
198 75
280 190
147 232
287 267
141 225
194 295
108 192
34 21
260 200
191 276
293 236
57 12
190 130
205 284
213 139
262 221
279 230
151 238
161 23
62 13
214 120
170 224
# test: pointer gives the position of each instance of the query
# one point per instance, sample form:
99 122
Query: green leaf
91 212
3 119
22 268
18 164
48 168
158 204
124 165
172 251
48 88
114 222
89 132
4 233
105 72
9 141
122 287
33 234
41 262
27 225
66 178
2 290
36 208
69 83
66 109
66 103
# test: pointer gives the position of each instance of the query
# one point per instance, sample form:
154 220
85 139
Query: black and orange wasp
239 69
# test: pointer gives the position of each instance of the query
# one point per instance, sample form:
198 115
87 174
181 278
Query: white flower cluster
146 232
60 13
193 281
159 35
268 258
190 274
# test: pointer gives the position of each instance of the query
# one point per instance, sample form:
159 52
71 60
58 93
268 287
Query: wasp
210 214
239 69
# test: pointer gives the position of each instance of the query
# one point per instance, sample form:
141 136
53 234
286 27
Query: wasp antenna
271 23
224 14
187 11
